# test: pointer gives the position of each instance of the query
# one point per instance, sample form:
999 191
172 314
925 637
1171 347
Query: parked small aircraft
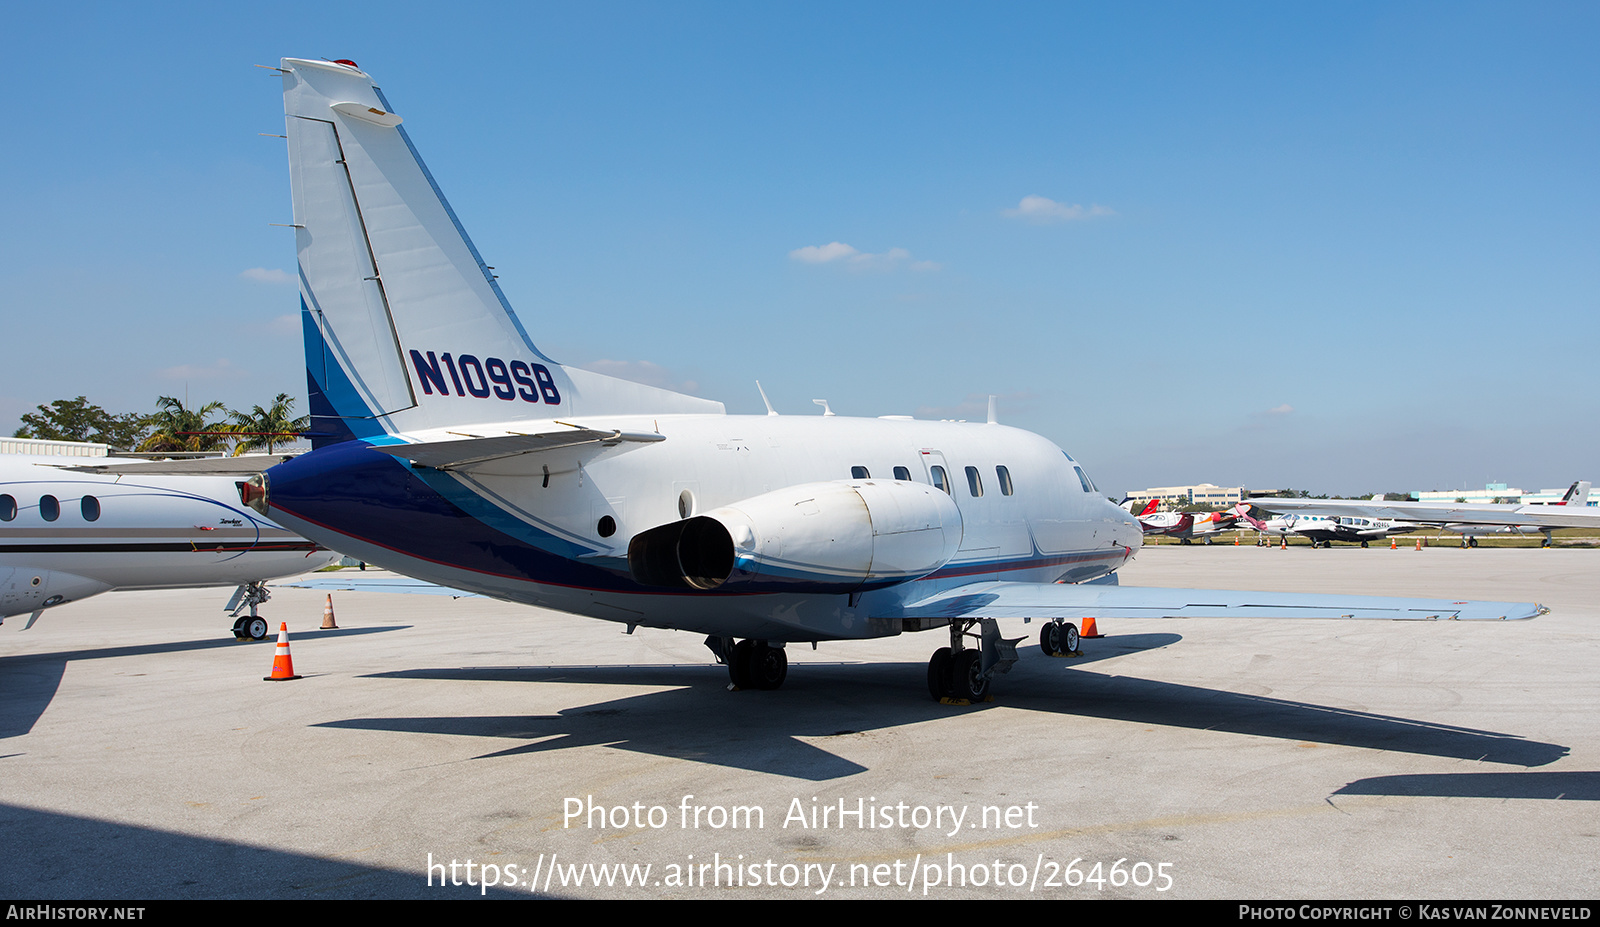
70 529
1470 519
1325 529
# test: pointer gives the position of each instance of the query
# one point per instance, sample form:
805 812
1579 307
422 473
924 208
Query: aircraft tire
238 629
1069 638
769 667
1363 545
739 664
1472 542
1050 639
966 677
939 674
255 628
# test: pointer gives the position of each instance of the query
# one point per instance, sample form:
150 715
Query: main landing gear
751 664
1059 639
249 627
959 673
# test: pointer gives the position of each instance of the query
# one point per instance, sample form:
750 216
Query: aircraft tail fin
1577 495
1242 510
405 327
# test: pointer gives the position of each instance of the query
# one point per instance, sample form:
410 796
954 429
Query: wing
1089 600
376 581
1539 516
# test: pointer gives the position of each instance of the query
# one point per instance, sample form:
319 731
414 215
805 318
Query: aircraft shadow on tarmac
1572 785
786 732
28 681
135 862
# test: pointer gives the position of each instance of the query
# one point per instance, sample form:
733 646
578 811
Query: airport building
41 448
1495 492
1198 494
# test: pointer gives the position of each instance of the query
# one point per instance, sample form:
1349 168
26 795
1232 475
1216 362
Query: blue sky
1348 247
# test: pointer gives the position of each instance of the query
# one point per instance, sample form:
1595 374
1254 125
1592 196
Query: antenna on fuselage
992 419
824 404
765 401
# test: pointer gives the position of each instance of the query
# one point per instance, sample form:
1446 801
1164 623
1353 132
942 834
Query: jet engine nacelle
25 589
841 536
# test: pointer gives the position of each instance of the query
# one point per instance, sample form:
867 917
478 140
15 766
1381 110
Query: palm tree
179 428
265 427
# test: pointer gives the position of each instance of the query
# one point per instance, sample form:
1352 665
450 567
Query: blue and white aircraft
449 448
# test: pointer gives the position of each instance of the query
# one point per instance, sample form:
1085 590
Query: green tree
265 427
80 420
175 427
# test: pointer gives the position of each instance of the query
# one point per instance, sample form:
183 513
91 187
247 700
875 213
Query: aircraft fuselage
561 540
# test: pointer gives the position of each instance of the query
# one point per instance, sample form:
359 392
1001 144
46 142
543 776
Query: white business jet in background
448 448
71 529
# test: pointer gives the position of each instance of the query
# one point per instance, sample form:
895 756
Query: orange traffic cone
282 665
1089 630
1392 546
1419 543
328 623
1285 545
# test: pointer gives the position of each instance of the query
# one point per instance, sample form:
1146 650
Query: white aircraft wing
375 581
1538 516
1090 600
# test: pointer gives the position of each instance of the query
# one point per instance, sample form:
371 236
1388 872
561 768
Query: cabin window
8 507
859 473
940 481
49 508
90 506
1005 480
685 504
974 482
606 527
902 473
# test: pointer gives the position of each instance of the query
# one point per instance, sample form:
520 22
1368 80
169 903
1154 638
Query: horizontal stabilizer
245 465
450 455
1060 600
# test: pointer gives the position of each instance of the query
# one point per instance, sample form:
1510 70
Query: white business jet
71 529
448 448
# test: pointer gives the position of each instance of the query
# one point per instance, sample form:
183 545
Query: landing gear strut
251 626
961 673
